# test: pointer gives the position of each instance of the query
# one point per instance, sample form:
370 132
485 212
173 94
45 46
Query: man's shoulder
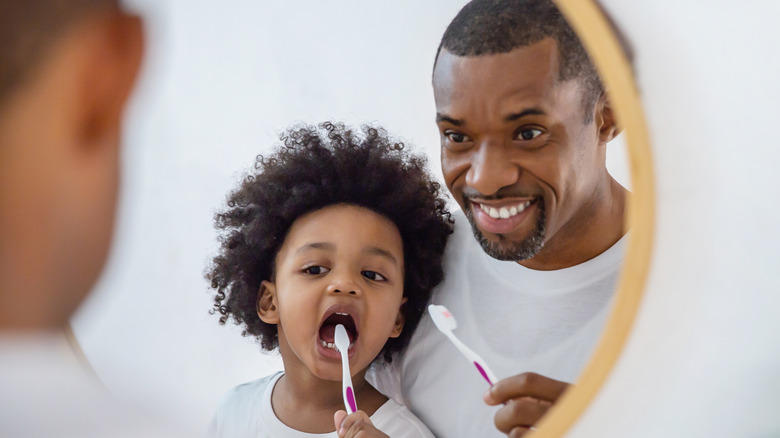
465 261
396 420
462 239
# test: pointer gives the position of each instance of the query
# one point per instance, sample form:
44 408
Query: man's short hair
29 27
488 27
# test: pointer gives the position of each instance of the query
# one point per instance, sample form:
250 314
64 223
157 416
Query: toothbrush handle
349 400
485 371
346 383
479 363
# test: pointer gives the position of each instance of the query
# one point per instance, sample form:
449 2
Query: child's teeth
513 211
504 213
493 213
330 345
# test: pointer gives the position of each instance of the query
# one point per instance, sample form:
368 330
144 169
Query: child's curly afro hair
314 167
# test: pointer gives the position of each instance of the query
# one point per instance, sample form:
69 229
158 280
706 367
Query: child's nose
344 286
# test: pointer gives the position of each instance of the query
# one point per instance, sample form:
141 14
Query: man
66 70
524 123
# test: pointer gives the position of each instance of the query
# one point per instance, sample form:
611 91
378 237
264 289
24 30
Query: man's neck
586 237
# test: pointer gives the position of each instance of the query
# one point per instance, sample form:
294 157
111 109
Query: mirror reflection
519 132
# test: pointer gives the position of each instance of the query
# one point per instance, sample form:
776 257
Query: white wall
222 80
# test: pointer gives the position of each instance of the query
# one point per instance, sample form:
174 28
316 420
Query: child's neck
306 403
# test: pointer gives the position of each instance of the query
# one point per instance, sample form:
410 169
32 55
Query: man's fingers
520 414
518 432
525 385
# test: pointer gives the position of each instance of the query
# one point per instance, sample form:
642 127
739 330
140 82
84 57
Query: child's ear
266 303
399 321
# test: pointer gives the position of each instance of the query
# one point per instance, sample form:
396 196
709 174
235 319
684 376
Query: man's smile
501 216
503 211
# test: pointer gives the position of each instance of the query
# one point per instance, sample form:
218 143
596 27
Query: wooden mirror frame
596 34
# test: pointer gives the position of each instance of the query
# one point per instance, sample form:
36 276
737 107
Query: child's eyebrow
316 245
327 246
374 250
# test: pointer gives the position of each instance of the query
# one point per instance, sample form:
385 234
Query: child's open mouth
338 315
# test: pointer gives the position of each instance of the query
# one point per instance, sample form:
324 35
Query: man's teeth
332 345
504 212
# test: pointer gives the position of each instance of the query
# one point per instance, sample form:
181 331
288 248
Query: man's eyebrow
316 245
445 118
526 112
382 253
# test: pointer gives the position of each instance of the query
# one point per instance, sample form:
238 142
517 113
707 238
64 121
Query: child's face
341 264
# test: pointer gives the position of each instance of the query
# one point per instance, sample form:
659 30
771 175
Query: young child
333 228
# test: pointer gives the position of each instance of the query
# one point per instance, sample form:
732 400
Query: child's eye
371 275
316 270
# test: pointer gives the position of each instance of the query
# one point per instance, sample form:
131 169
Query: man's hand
526 398
356 425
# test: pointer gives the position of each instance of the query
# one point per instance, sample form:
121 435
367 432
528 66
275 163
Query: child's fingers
358 423
338 418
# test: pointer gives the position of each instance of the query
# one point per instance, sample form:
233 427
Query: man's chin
501 247
510 251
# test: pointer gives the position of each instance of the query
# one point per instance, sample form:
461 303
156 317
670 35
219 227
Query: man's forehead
525 73
539 59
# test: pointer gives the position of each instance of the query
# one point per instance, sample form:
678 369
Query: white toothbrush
445 322
342 343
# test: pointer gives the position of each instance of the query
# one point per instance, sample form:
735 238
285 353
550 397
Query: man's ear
116 43
398 327
267 309
606 124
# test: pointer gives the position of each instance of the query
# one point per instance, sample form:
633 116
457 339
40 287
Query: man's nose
491 169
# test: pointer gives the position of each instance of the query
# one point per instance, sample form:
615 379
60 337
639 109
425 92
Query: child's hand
356 425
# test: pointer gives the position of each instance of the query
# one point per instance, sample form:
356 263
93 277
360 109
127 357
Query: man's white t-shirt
46 392
517 319
246 411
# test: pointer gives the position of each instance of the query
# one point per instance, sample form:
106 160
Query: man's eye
371 275
456 137
528 134
316 270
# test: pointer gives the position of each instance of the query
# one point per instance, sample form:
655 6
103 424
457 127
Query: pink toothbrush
342 344
445 322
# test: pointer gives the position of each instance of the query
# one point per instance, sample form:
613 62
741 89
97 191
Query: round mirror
220 83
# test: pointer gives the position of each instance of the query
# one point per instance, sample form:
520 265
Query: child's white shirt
246 411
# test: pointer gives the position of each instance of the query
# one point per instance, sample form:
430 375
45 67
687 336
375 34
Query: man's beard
512 251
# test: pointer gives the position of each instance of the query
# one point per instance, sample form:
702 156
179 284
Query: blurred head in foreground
66 70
